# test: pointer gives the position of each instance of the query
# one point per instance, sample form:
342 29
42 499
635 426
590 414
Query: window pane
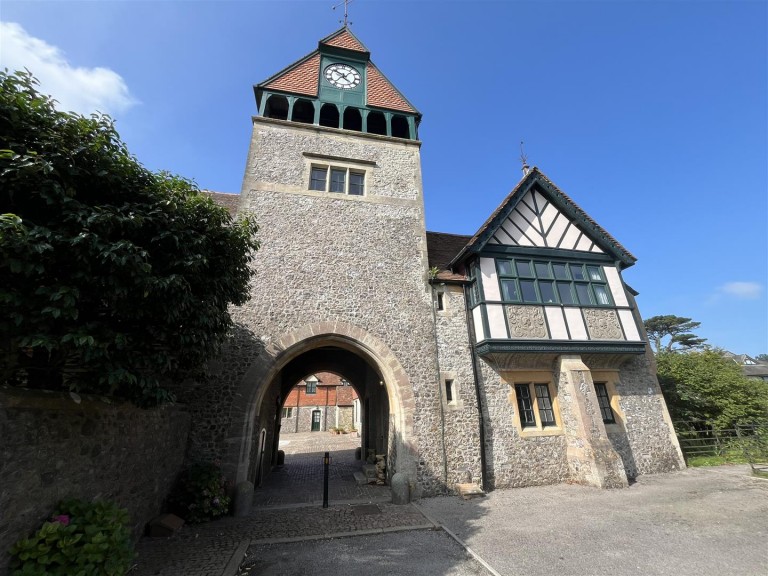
529 291
356 183
594 273
337 180
542 270
524 268
547 289
565 293
601 295
577 272
524 405
583 291
604 402
546 413
505 267
561 271
509 290
317 179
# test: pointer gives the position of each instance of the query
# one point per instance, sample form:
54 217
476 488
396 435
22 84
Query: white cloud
77 89
742 290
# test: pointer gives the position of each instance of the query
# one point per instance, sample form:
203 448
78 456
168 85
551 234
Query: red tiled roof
301 78
229 201
345 40
441 250
381 92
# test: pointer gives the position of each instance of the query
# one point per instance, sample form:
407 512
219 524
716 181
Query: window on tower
317 179
337 179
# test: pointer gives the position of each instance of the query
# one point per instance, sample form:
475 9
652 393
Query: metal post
326 462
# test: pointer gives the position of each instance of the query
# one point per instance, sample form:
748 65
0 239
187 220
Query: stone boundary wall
52 448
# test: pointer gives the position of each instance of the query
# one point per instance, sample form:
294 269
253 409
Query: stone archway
255 398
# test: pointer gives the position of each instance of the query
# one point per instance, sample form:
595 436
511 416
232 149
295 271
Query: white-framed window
288 412
337 179
311 383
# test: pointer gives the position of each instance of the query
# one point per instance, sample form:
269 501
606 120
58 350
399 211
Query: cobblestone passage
287 506
300 480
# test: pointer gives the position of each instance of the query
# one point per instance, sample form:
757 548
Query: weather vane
524 159
346 15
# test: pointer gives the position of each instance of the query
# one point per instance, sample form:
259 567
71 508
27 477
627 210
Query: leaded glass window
525 405
564 283
604 401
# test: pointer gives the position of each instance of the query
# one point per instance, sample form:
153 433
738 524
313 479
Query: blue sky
652 116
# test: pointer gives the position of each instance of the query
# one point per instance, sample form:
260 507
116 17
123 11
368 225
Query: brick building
319 403
515 356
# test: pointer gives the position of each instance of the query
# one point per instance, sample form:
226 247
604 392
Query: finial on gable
346 15
524 160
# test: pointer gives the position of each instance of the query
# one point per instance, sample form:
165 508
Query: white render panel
533 233
541 202
519 222
556 321
515 233
617 288
584 243
477 316
548 216
629 325
523 207
576 324
496 321
561 223
490 280
569 241
510 229
596 248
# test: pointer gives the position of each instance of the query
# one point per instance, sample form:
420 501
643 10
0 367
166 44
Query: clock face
342 76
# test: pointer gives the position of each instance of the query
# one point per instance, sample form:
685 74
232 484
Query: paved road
422 552
700 522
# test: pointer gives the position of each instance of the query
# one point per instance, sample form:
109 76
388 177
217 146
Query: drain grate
365 510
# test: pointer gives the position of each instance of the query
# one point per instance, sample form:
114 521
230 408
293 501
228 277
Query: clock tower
333 178
338 86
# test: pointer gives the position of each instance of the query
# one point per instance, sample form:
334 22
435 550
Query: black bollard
326 462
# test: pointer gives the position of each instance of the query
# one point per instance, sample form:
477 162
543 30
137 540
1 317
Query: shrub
200 494
81 539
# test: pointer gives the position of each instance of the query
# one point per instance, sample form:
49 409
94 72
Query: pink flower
62 519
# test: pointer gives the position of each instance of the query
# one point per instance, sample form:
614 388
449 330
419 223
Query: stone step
361 478
468 491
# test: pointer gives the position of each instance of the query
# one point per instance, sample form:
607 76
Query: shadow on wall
209 400
55 448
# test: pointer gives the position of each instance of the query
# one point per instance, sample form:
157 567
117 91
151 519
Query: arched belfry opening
277 107
384 393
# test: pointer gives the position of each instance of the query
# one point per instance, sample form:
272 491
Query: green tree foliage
762 358
679 330
115 280
705 386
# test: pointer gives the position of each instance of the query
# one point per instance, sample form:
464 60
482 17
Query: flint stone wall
648 444
462 432
329 257
53 449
